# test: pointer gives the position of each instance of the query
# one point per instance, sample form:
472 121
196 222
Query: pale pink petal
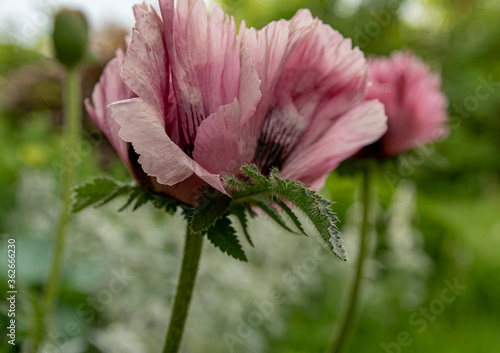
145 68
216 147
140 10
267 48
160 157
223 144
299 23
204 56
109 89
355 129
250 94
250 98
323 78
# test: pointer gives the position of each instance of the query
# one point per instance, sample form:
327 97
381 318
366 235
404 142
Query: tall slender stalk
189 269
72 114
349 318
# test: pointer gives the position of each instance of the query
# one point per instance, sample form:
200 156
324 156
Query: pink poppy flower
199 100
414 103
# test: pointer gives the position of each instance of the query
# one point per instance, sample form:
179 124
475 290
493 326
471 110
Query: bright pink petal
355 129
109 89
142 126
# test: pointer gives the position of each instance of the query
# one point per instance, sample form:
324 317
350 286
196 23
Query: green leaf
239 211
212 205
134 194
268 207
237 184
223 236
293 217
253 172
102 190
316 208
168 204
97 192
142 199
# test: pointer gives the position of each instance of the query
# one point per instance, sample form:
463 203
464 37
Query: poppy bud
70 37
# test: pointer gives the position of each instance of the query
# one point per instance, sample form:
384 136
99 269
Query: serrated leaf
236 183
253 172
102 190
316 208
293 217
121 190
268 207
135 193
99 190
165 203
143 198
239 211
223 236
212 205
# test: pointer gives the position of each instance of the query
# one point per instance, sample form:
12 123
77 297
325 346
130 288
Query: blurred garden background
437 216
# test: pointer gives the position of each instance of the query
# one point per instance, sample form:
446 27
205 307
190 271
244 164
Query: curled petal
204 57
355 129
216 147
223 143
145 68
160 157
323 78
109 89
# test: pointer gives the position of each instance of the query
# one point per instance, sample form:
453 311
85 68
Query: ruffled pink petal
109 89
355 129
160 157
216 148
250 93
302 20
204 56
145 68
309 74
140 10
415 105
267 48
323 78
223 143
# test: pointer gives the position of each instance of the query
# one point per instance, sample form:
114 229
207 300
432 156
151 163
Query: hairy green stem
349 319
72 112
190 260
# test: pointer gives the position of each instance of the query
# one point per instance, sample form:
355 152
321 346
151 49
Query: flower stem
190 260
350 314
72 112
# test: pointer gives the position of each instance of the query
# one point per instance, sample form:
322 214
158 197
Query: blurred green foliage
453 232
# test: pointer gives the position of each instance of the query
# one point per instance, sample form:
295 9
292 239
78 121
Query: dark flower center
280 134
189 120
